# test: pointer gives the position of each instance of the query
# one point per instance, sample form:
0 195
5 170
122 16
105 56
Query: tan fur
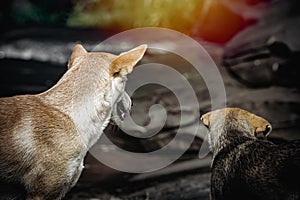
45 137
244 167
124 64
219 122
240 118
78 50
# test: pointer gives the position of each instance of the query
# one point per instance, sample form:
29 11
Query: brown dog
45 137
244 167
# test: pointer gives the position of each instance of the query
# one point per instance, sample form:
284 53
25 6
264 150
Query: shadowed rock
268 52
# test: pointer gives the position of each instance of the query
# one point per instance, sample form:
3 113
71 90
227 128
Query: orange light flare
211 20
220 20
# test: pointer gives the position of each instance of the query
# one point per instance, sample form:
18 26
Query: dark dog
245 167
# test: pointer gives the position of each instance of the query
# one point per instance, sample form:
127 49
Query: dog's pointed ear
124 63
77 51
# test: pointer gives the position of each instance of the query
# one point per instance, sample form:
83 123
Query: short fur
45 137
245 167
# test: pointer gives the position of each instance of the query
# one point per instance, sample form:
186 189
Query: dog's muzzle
121 111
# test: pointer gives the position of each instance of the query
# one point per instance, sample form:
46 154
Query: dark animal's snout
267 130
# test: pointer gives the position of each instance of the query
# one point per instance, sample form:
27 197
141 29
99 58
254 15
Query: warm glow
218 23
211 20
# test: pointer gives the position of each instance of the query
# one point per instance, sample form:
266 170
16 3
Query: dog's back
245 167
257 169
27 147
14 132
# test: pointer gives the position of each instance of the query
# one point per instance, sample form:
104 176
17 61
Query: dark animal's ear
77 51
206 120
125 62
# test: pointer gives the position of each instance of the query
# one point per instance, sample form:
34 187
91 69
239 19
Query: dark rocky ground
186 180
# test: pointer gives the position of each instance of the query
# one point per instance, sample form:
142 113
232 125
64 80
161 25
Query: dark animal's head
235 120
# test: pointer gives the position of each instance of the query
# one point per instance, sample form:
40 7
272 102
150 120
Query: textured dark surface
248 168
267 53
185 185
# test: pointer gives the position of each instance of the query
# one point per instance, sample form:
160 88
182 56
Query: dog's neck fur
75 96
227 135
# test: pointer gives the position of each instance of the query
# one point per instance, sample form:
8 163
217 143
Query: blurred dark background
255 44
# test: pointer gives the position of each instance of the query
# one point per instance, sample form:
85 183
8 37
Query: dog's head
120 67
110 76
237 120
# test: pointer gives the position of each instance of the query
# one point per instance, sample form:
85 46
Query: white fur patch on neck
91 116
